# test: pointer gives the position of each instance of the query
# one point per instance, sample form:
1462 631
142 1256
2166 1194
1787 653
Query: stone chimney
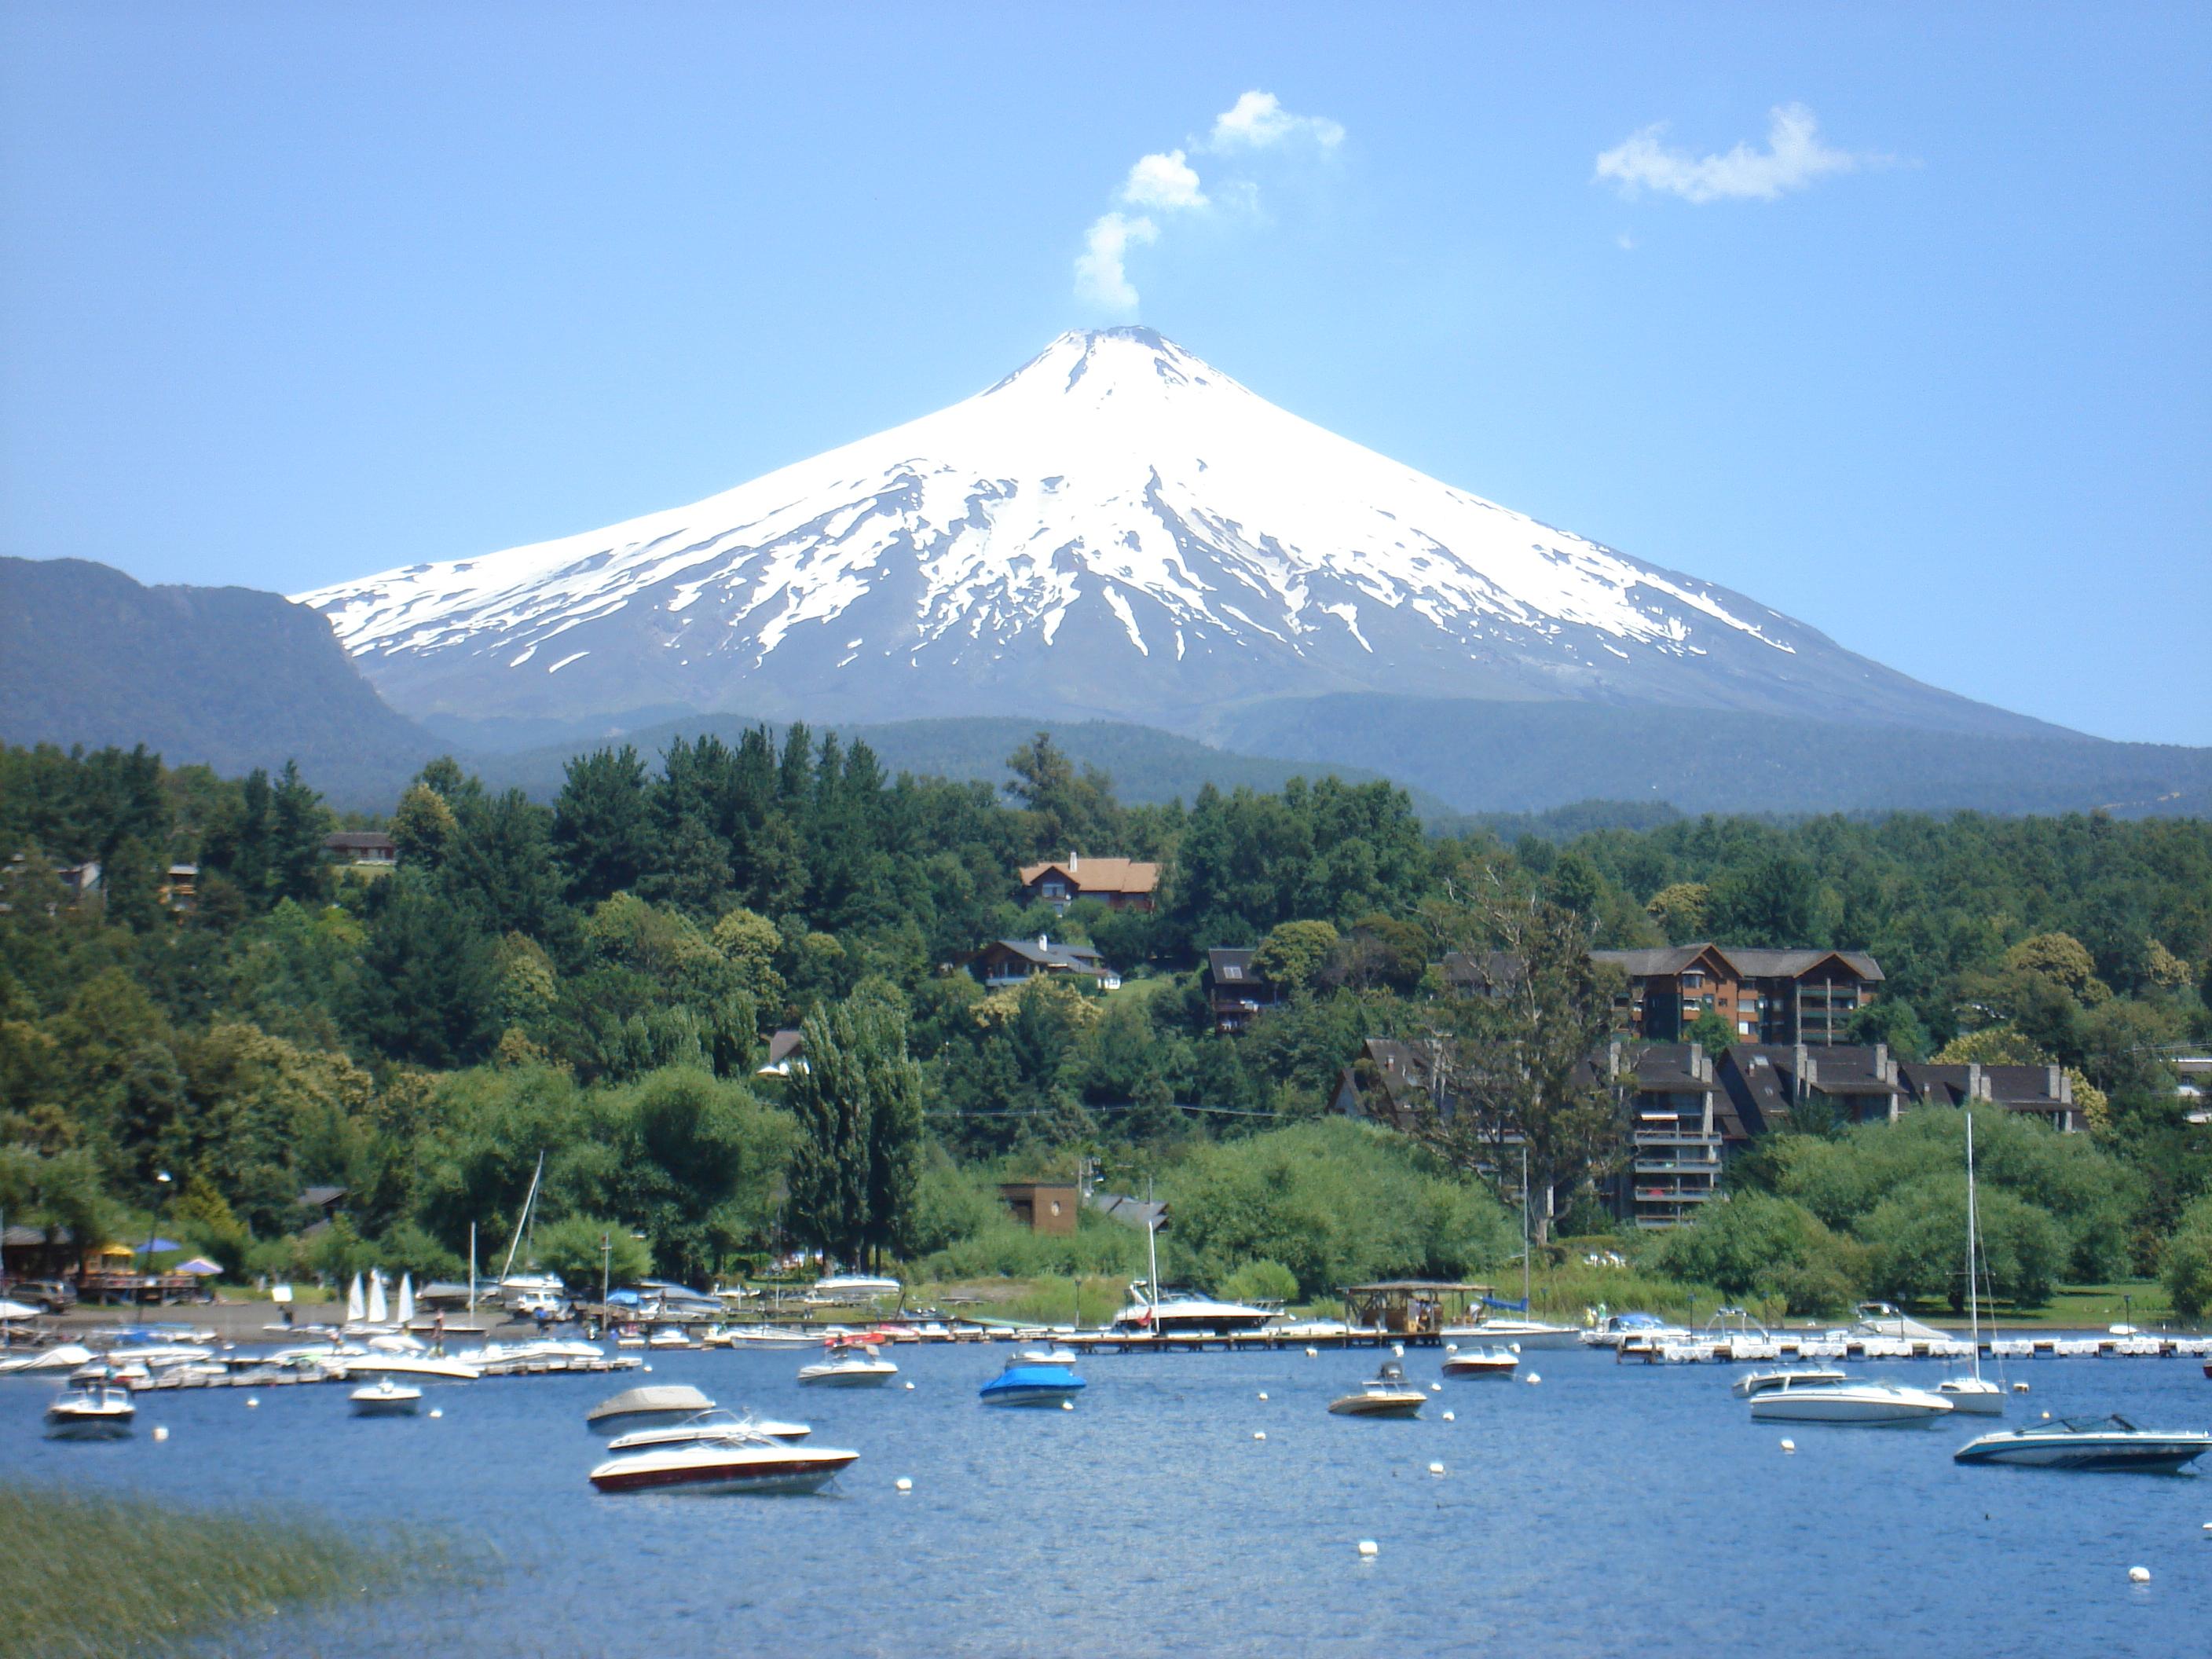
1074 860
2058 1084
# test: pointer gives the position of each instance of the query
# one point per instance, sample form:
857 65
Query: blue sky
294 293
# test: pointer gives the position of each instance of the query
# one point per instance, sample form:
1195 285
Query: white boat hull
1867 1408
1407 1404
847 1376
1971 1396
1528 1333
2146 1451
714 1468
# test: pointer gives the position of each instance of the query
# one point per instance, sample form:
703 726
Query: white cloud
1258 120
1099 271
1794 157
1163 181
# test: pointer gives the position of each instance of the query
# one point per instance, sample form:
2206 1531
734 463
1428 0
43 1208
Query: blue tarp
1521 1306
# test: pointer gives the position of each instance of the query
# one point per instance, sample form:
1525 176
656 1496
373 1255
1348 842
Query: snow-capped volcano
1116 528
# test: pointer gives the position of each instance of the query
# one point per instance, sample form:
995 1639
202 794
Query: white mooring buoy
1397 1350
1436 1388
909 1388
1263 1393
1313 1354
253 1400
1534 1379
1259 1434
1067 1405
161 1434
2138 1575
1369 1549
437 1411
2020 1387
1435 1469
1790 1445
1450 1417
902 1484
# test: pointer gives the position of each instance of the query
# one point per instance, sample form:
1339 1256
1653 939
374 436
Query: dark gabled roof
1078 958
1227 966
319 1198
1131 1211
782 1045
1750 962
1674 1069
1482 971
21 1236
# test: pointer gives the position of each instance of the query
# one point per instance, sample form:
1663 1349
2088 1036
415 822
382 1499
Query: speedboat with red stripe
749 1463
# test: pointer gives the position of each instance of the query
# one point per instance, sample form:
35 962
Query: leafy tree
1293 953
429 985
857 1100
582 1249
2063 961
1681 910
424 829
1753 1244
2186 1265
1710 1032
603 824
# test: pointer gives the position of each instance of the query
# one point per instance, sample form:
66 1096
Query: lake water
1611 1509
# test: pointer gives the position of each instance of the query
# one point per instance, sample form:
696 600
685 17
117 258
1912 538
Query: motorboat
639 1408
1882 1319
1486 1361
1613 1329
1754 1383
759 1336
62 1357
100 1413
1872 1405
1528 1333
710 1425
849 1366
548 1353
1186 1313
404 1364
668 1336
385 1399
1386 1394
759 1465
2090 1443
1035 1378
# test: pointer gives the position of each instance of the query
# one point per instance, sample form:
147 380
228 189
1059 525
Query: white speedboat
760 1336
385 1399
102 1413
710 1425
66 1357
852 1290
2090 1443
1186 1313
668 1336
1386 1394
1613 1329
639 1408
1880 1319
1872 1405
723 1466
1804 1377
547 1353
849 1366
1528 1333
1482 1362
405 1364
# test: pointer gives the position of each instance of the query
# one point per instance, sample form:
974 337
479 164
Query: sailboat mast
1973 1300
529 1199
472 1272
1527 1307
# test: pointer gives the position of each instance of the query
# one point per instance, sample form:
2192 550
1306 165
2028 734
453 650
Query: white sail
378 1313
406 1298
356 1309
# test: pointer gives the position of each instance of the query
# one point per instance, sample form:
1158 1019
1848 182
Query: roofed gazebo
1408 1307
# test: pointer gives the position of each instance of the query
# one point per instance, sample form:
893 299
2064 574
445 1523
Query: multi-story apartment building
1765 996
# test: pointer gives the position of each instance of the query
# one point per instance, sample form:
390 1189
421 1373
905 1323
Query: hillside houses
1119 883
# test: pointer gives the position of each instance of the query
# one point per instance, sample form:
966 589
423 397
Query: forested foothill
599 979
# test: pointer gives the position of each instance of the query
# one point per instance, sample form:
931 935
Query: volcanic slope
1116 530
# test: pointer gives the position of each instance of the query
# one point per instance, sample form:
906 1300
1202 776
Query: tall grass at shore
98 1575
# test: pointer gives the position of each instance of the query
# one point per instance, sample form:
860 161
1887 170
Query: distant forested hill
1488 758
226 675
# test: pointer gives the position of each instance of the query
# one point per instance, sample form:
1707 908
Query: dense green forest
596 979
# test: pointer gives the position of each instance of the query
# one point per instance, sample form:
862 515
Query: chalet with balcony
1010 961
1235 991
2044 1092
361 849
1678 1124
1767 997
1119 883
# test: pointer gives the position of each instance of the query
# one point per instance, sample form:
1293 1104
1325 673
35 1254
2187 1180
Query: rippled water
1609 1510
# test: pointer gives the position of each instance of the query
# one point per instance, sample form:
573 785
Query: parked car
53 1296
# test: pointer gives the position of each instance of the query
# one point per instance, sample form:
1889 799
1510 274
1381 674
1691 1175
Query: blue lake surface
1610 1510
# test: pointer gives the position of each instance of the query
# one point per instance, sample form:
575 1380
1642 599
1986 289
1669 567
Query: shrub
1261 1281
1754 1245
2185 1265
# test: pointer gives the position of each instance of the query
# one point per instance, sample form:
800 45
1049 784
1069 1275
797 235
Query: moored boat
1035 1378
1868 1405
761 1465
100 1413
1387 1393
2096 1443
849 1366
1485 1362
1758 1382
385 1399
638 1408
710 1425
1186 1313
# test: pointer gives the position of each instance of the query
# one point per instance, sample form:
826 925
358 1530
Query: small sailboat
99 1412
1973 1395
380 1312
1035 1378
849 1366
1386 1394
385 1399
2104 1444
356 1306
1493 1361
405 1311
